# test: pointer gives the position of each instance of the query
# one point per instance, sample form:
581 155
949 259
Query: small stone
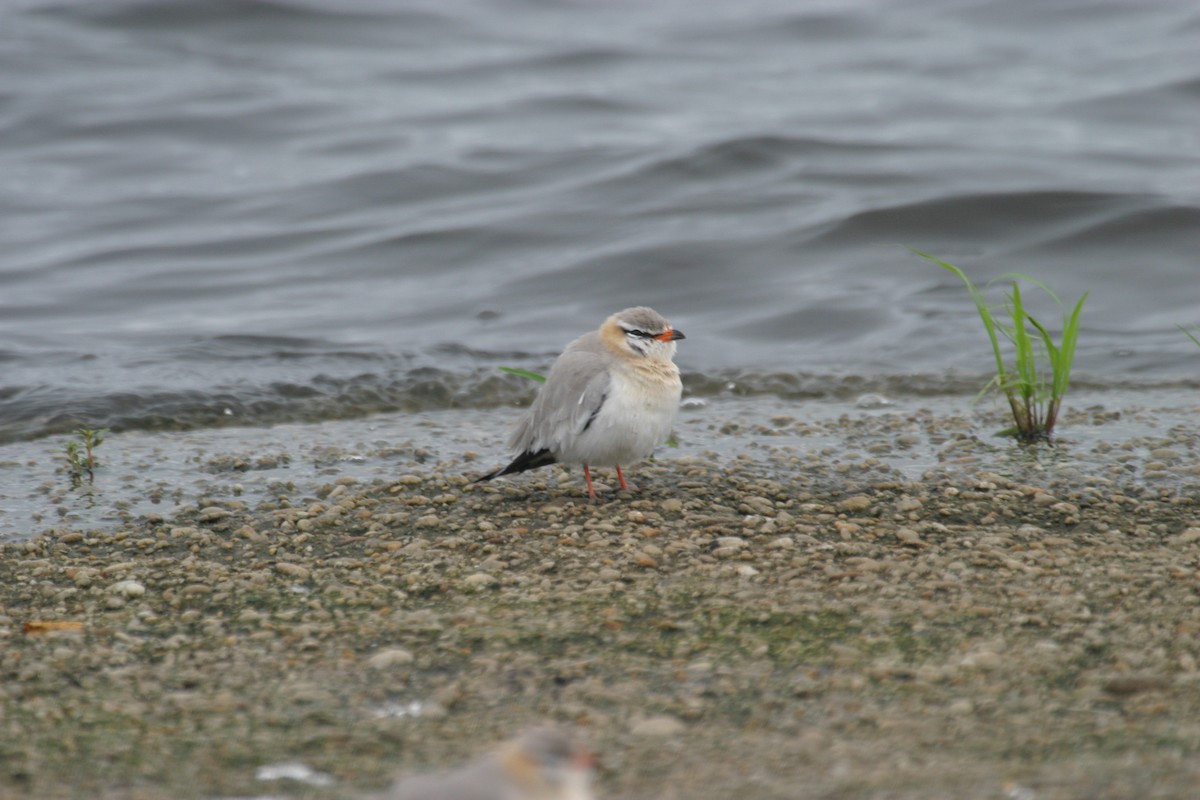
745 570
961 707
493 563
672 505
1188 536
645 560
212 514
479 580
390 658
127 589
297 571
1134 684
859 502
662 726
984 660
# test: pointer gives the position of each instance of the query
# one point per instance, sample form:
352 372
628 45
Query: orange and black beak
670 335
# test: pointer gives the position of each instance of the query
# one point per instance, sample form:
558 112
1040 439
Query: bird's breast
635 419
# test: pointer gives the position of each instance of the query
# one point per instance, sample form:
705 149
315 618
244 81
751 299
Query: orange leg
621 478
587 476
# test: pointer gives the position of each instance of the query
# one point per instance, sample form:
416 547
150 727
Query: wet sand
866 603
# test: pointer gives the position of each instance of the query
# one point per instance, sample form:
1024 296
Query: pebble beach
764 619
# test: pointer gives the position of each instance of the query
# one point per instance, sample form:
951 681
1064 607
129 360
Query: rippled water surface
294 211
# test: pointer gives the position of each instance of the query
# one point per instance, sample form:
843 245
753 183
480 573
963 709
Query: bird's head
641 332
548 762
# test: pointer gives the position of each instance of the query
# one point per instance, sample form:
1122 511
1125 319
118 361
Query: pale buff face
546 764
640 333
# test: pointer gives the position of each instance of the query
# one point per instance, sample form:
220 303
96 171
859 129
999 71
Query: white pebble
658 726
1188 536
478 581
389 658
128 589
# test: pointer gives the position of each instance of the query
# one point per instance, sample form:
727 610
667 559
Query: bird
609 399
545 763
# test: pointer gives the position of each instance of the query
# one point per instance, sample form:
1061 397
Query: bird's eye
640 334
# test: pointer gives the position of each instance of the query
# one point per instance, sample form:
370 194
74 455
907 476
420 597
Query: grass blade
524 373
981 306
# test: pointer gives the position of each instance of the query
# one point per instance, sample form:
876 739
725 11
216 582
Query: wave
172 15
1041 216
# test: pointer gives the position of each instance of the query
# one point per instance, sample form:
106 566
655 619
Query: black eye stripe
639 334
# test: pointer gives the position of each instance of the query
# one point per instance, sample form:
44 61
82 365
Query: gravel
776 622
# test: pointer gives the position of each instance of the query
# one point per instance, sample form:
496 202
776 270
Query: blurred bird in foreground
609 399
543 764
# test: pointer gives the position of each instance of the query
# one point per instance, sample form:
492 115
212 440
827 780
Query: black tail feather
522 463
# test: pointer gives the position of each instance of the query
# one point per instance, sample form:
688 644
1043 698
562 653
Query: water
247 212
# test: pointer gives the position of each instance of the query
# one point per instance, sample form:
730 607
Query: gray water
252 212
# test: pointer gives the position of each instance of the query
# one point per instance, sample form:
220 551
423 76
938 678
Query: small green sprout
1033 396
81 453
75 459
1193 334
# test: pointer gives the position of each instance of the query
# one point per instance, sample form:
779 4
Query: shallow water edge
1124 437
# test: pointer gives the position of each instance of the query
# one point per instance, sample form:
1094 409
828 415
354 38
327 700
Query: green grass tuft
1036 380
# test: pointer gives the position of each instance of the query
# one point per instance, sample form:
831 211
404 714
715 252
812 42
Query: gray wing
568 402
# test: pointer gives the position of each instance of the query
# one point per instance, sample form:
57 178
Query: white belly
632 423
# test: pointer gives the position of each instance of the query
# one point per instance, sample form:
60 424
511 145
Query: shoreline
152 475
796 615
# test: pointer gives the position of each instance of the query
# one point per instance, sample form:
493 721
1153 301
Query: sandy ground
873 605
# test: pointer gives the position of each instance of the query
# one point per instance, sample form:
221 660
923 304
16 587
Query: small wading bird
609 399
544 764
